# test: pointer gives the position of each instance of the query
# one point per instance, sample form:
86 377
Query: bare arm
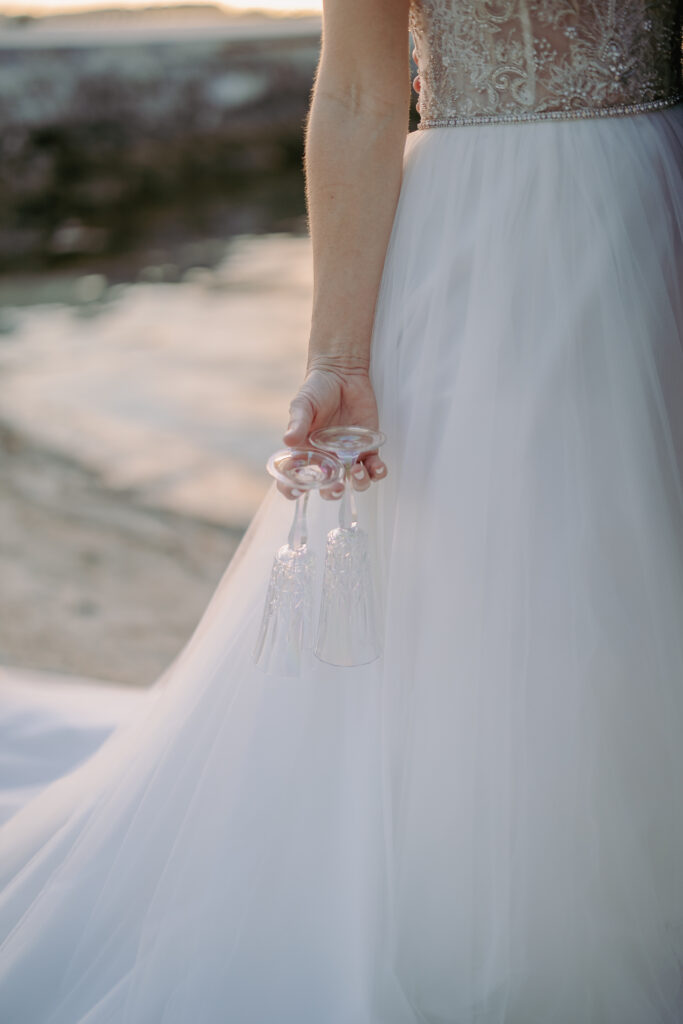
356 133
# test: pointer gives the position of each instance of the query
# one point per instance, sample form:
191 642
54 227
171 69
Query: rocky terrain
102 122
94 584
134 429
155 294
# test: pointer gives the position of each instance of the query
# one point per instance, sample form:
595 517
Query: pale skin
355 136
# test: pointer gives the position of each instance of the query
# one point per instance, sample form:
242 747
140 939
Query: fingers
328 493
332 493
375 467
359 477
362 475
289 492
301 414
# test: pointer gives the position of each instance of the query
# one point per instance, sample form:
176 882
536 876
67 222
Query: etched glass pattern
347 631
485 61
286 626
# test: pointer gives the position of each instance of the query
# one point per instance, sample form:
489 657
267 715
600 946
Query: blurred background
155 290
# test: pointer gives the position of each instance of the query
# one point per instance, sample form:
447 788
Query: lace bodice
520 60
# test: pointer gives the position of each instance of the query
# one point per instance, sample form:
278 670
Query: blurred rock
74 237
9 322
152 275
236 88
90 288
198 275
98 124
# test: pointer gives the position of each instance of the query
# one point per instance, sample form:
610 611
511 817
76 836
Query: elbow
356 94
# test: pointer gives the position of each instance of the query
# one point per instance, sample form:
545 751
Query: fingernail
359 473
296 493
338 489
381 470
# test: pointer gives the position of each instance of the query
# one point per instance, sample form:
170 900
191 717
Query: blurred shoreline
134 428
113 130
95 584
124 28
154 315
155 300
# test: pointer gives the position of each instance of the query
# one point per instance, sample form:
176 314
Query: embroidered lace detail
490 61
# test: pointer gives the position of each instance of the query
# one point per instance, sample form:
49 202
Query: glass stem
348 513
298 535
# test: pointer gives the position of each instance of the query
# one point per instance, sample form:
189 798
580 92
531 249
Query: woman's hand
335 394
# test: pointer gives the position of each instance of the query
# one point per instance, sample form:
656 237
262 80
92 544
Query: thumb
300 421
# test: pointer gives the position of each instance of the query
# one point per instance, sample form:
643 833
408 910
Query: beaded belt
622 110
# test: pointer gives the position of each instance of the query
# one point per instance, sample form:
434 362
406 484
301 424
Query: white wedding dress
485 825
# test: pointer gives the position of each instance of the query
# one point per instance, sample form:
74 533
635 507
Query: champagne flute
347 628
286 624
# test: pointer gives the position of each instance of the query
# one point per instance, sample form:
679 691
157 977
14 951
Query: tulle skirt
485 825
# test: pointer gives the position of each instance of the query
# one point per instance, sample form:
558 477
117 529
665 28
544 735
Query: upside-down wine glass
286 625
347 627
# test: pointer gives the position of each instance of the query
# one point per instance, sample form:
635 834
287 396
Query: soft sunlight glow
53 6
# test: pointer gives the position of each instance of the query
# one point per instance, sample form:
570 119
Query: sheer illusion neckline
524 60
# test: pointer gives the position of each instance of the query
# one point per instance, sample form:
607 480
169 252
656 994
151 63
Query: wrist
342 363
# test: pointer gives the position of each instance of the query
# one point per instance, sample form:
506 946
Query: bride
485 824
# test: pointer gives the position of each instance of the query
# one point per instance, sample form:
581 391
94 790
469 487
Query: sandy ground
92 583
134 432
